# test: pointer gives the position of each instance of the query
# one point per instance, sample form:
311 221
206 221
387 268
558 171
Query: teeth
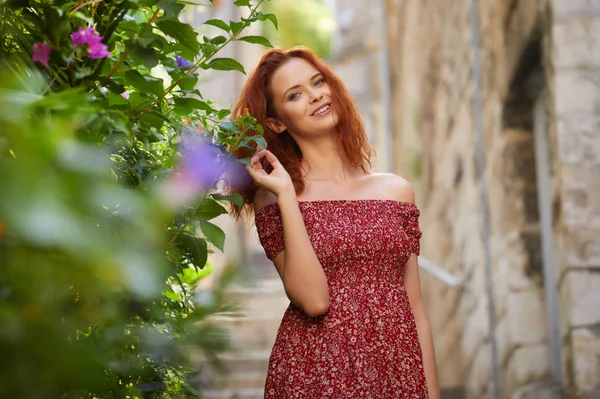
322 110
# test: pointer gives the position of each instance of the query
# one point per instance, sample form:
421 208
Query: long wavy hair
256 98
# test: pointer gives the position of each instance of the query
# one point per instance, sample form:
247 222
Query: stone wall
576 100
535 55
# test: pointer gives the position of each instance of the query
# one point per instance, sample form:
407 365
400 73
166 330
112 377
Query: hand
278 181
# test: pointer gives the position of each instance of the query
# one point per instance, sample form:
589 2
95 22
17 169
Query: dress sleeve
270 230
411 227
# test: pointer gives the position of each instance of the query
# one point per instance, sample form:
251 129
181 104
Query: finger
259 154
272 159
256 164
251 172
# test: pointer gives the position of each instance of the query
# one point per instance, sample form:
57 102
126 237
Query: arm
298 266
403 191
413 289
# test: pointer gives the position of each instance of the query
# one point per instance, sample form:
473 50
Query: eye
319 82
294 96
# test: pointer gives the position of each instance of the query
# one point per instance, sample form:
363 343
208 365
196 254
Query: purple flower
87 36
182 62
98 50
201 167
125 94
202 162
41 53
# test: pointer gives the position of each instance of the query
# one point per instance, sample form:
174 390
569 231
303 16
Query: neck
323 160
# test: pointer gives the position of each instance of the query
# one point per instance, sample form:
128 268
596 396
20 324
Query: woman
344 241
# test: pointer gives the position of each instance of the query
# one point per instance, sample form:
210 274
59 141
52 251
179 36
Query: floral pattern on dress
366 346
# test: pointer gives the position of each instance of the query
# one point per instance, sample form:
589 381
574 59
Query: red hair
256 99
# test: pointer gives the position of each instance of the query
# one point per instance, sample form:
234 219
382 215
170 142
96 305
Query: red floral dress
366 346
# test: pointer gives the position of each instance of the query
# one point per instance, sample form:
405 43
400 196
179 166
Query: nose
315 96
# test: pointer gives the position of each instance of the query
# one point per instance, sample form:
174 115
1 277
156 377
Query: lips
322 110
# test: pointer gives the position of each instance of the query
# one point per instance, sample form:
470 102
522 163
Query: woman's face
302 100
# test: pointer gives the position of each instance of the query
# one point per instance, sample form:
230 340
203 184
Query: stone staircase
254 334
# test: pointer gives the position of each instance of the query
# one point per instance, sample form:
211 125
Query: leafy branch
202 62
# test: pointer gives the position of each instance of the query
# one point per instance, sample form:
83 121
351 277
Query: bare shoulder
263 198
393 186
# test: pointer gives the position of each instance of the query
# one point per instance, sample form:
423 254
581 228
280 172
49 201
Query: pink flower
87 36
98 50
83 36
41 53
125 95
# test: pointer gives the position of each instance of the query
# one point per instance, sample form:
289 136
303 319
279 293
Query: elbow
317 309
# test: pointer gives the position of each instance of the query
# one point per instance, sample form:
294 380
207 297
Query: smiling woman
343 240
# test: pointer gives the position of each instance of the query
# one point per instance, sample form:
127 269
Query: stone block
584 287
538 390
586 354
582 245
480 373
577 91
579 137
528 364
577 42
575 8
476 329
526 318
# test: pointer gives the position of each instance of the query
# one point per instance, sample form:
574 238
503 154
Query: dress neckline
347 201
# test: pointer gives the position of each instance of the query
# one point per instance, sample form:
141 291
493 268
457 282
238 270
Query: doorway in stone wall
529 158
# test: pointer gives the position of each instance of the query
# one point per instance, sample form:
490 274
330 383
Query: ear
276 125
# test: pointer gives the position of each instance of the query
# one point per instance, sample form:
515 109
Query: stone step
453 393
256 361
264 298
236 381
249 393
251 332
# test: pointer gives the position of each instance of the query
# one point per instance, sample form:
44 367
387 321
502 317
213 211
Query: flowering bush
109 177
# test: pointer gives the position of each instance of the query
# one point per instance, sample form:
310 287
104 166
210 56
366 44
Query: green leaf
172 296
256 40
116 99
242 3
226 64
210 209
259 140
143 55
223 113
217 40
154 119
172 8
180 31
193 103
143 84
213 234
219 24
119 120
83 72
236 27
270 17
237 199
196 246
188 82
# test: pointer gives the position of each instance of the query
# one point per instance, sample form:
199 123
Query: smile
323 110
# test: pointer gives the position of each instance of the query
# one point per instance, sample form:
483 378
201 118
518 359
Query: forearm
429 363
302 273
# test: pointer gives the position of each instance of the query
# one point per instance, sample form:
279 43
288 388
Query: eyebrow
297 86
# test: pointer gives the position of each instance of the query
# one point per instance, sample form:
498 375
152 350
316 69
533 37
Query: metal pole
386 98
481 166
547 236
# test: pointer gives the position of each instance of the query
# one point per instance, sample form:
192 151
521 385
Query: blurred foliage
100 256
302 23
